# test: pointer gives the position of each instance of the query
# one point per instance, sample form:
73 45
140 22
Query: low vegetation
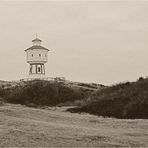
41 93
124 100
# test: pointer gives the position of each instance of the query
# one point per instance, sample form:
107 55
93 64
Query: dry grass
22 126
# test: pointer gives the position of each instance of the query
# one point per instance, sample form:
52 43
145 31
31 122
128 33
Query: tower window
39 55
32 55
39 69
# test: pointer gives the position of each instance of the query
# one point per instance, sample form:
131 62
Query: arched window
32 55
39 55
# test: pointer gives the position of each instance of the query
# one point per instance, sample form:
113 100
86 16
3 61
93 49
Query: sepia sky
90 41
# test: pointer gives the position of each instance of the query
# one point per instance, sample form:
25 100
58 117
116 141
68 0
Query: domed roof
36 39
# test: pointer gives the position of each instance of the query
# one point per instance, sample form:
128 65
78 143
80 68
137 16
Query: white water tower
37 56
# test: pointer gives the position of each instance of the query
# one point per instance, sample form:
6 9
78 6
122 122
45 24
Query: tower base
36 76
37 71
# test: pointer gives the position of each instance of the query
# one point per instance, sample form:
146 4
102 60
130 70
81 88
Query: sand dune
23 126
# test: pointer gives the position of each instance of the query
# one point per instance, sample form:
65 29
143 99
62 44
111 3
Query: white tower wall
37 55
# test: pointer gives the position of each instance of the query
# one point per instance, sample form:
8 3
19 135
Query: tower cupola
36 42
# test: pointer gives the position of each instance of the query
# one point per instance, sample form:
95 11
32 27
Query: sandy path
23 126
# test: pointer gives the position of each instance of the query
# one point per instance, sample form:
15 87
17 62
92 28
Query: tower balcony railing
58 79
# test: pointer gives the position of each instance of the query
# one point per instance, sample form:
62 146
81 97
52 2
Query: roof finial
36 35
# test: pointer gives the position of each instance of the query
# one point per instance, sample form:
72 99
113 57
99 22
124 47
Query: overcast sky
90 41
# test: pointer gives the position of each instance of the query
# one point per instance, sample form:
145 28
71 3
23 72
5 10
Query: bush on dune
39 93
124 100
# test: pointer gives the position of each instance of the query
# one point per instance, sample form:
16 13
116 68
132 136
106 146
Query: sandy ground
29 127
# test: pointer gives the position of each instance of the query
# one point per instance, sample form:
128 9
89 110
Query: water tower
37 56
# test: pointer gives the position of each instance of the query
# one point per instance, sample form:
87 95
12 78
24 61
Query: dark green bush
39 93
3 92
124 100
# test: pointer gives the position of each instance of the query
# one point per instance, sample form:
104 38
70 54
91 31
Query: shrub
39 93
124 100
